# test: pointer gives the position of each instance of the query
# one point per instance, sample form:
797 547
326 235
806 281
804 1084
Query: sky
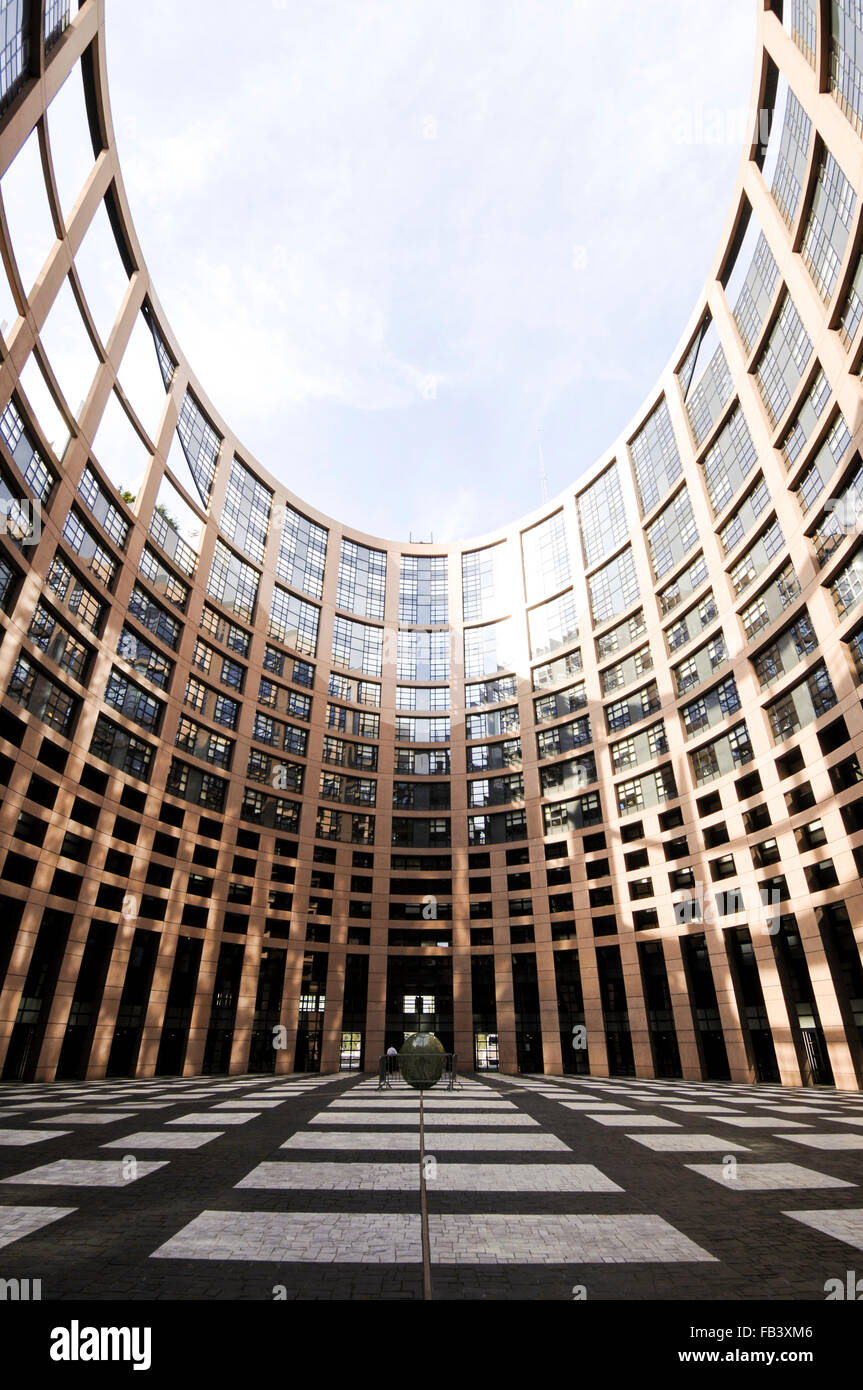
410 248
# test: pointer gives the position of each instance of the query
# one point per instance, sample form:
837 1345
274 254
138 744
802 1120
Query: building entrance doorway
485 1052
419 999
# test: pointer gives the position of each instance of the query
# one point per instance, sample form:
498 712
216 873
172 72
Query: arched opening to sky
403 244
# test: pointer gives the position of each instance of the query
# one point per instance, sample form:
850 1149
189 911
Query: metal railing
388 1067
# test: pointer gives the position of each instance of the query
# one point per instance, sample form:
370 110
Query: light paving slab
89 1118
826 1141
467 1143
514 1141
432 1121
277 1093
20 1137
373 1118
437 1119
766 1177
164 1139
560 1240
519 1177
476 1104
70 1172
634 1121
298 1237
692 1107
17 1222
335 1177
845 1225
213 1117
353 1140
687 1143
759 1122
276 1097
375 1100
406 1107
202 1095
29 1106
797 1109
597 1107
155 1104
244 1105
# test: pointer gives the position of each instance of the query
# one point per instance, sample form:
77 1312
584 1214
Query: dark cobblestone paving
537 1189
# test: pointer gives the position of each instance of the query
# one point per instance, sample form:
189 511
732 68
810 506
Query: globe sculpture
421 1060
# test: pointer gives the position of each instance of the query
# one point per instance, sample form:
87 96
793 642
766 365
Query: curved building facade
582 795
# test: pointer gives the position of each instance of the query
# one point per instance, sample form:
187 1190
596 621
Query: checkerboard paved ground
309 1188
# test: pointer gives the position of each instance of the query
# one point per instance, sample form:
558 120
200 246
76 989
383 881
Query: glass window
602 517
846 58
302 551
728 461
553 624
61 645
783 360
486 649
224 631
546 558
751 283
233 583
613 588
99 562
672 534
655 458
422 656
792 151
423 598
132 700
97 500
147 661
482 589
246 512
201 445
362 580
294 622
705 380
89 611
827 230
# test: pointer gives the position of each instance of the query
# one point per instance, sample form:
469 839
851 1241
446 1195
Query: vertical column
376 1007
242 1039
331 1046
824 994
58 1017
462 1008
642 1052
549 1017
103 1036
505 1001
776 1008
16 975
594 1021
157 1003
290 1008
194 1060
681 1005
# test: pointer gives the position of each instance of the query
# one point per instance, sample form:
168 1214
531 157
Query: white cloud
173 168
